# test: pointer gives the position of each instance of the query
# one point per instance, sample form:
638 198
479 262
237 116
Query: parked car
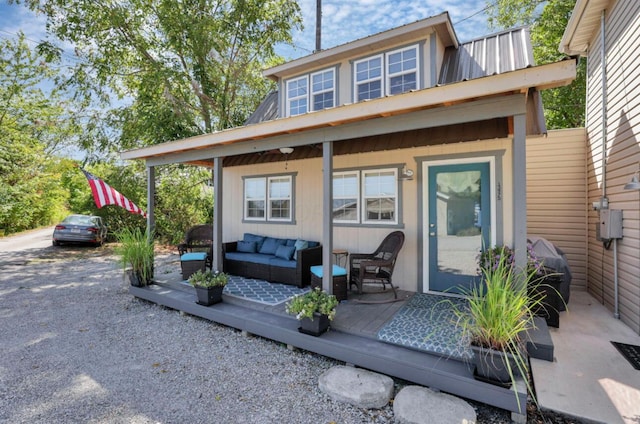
80 229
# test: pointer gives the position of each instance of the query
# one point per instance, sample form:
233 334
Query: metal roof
266 111
490 55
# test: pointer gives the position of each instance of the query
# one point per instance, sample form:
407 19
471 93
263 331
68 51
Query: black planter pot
209 295
316 326
136 280
491 366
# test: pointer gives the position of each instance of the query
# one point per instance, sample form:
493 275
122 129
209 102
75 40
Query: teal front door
459 224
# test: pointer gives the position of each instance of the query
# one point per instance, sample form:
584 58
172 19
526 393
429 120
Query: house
327 157
606 33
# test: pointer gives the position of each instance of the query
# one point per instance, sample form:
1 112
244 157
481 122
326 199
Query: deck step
539 342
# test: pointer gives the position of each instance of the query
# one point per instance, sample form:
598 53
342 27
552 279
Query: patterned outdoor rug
426 322
260 291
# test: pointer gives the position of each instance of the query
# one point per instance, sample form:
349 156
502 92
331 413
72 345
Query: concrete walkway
589 379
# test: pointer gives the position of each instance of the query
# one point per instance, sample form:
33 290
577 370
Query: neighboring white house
325 157
607 33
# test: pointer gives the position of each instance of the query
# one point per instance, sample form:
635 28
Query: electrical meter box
610 224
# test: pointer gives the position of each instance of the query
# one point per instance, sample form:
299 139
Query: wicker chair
198 238
376 267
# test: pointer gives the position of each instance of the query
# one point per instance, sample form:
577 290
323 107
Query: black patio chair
376 267
198 238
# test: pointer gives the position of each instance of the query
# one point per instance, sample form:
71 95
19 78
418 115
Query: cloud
343 21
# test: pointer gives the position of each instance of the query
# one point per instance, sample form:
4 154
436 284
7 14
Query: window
322 90
402 68
297 96
398 75
368 78
268 198
345 196
311 92
366 197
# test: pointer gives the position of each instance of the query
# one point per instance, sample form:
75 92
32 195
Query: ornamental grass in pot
496 317
136 252
209 286
314 310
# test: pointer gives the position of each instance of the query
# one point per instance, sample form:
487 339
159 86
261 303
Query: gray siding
622 157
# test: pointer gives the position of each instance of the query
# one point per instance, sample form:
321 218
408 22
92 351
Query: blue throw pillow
300 244
254 237
247 246
285 252
270 246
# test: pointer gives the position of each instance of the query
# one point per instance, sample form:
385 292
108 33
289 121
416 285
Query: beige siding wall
622 157
556 195
308 202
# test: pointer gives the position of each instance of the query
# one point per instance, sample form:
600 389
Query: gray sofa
272 259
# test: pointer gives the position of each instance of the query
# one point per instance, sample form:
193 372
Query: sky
342 21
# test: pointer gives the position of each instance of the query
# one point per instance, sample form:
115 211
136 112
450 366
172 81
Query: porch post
327 216
151 196
217 214
520 191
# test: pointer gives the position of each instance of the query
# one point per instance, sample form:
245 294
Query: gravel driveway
77 348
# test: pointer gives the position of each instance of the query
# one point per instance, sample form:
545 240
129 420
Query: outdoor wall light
406 175
286 150
634 184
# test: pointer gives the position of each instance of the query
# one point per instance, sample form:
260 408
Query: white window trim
389 75
357 196
363 197
356 83
267 199
361 208
312 92
289 99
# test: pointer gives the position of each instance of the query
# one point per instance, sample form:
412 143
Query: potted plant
497 315
209 286
135 250
314 310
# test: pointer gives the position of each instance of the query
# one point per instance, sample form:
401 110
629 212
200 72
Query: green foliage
135 251
317 300
564 107
181 67
500 311
208 279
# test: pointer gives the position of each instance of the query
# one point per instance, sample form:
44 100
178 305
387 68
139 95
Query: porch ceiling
478 100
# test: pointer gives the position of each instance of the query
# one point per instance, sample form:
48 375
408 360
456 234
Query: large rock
358 387
419 405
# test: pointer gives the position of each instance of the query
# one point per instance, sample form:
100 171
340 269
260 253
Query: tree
177 67
564 107
33 124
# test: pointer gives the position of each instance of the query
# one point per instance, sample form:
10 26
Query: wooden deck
352 339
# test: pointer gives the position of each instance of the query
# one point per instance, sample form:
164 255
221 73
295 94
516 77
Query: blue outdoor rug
260 291
426 323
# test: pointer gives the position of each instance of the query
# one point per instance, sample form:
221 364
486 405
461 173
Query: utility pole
318 25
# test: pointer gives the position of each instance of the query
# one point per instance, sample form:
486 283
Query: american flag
104 194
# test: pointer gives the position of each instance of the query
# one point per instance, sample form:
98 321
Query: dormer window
323 92
368 83
398 75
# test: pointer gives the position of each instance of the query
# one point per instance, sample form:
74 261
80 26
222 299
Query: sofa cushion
247 246
285 252
256 258
300 244
254 237
274 261
290 242
270 245
313 243
336 271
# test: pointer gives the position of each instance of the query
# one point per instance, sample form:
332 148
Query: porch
352 339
